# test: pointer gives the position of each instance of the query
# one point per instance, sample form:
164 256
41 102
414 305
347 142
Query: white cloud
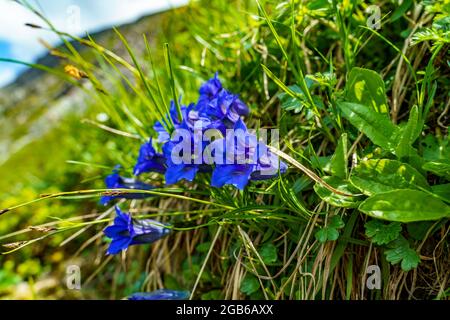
7 75
67 15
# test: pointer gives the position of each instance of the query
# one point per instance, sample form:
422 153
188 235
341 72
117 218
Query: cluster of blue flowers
232 161
219 110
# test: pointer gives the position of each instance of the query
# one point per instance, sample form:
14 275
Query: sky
74 16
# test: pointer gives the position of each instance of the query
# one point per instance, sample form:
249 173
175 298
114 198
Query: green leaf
212 295
366 87
410 260
401 252
339 161
382 233
336 222
333 234
405 206
435 148
418 230
203 247
268 253
322 235
249 284
327 234
290 102
439 168
376 126
337 199
382 175
401 10
408 134
442 190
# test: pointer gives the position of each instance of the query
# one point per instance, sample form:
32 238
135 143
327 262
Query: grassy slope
224 37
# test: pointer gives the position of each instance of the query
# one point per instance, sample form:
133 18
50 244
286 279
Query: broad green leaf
339 161
376 126
382 175
337 199
249 284
405 206
382 233
439 168
268 253
366 87
408 134
442 190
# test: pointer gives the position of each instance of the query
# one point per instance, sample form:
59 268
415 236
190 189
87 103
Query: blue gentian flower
115 181
180 165
163 294
149 160
242 158
127 231
237 159
210 89
220 107
237 175
268 165
225 106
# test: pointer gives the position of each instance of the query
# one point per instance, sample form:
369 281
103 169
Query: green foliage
382 233
365 87
249 285
371 145
331 231
376 126
400 251
381 175
405 205
268 253
336 199
339 161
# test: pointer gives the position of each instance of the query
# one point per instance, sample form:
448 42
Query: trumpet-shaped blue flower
237 175
115 181
268 165
220 107
210 89
242 158
127 231
163 294
225 107
149 160
180 156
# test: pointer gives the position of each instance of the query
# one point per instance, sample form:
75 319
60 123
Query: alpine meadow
231 150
